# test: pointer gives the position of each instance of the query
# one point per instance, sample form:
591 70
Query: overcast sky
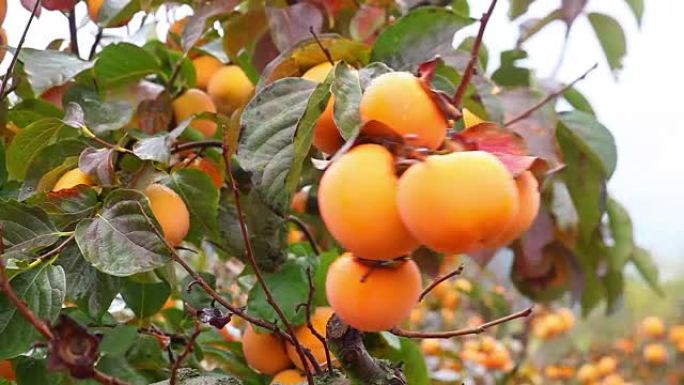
643 108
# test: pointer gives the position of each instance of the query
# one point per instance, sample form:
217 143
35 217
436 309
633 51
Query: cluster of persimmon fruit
553 323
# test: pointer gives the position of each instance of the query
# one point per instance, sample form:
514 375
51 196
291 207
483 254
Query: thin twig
176 70
439 280
13 63
462 332
255 267
93 48
326 51
527 113
57 249
73 32
197 144
107 379
307 233
474 54
188 348
309 302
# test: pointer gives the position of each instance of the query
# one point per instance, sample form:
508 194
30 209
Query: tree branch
326 51
527 113
93 48
307 233
73 32
188 348
462 332
197 144
439 280
474 54
309 325
13 63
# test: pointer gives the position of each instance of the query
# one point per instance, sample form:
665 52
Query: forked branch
439 280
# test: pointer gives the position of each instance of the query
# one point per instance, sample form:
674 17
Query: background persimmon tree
93 291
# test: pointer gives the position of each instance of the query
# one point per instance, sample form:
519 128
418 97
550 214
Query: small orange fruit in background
195 101
430 346
357 200
372 298
457 203
606 365
613 379
73 178
289 377
205 67
655 354
652 327
677 333
230 88
3 42
399 101
319 320
264 351
6 370
170 211
528 207
326 136
587 374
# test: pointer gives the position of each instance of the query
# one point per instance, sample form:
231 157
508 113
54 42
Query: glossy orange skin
676 334
3 11
205 67
4 42
326 136
204 165
459 202
6 370
170 211
528 208
357 200
230 88
195 101
73 178
264 352
399 101
289 377
655 354
372 298
319 320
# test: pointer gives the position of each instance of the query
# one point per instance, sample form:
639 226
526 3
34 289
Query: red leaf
29 4
492 138
367 22
58 5
292 24
516 164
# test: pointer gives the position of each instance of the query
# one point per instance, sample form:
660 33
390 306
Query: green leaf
578 101
461 6
145 299
101 115
509 74
195 295
411 356
289 286
122 63
205 380
47 68
114 13
49 164
30 140
518 8
120 368
31 110
418 37
621 230
637 7
33 371
533 26
592 138
347 91
118 340
266 146
65 208
92 290
3 168
42 289
25 229
119 241
647 268
614 285
612 38
201 197
158 147
321 274
147 354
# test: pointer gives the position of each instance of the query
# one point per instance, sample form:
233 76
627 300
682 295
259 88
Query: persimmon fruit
94 7
195 101
3 11
6 370
170 211
357 200
655 354
606 365
326 136
59 5
528 207
3 42
73 178
264 352
230 88
400 102
459 202
652 327
372 298
289 377
587 374
205 165
319 320
205 67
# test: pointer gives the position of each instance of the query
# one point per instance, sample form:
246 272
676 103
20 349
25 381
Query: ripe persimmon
195 101
94 7
528 207
319 320
264 352
205 67
326 136
372 298
3 10
289 377
652 327
170 211
73 178
399 101
655 354
459 202
205 165
3 43
587 374
357 200
606 365
230 88
6 370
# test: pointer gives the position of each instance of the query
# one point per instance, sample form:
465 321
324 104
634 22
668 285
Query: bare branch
307 233
313 330
462 332
188 347
93 48
57 249
527 113
202 144
73 32
13 63
439 280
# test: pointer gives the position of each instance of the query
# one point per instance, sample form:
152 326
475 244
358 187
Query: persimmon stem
197 144
307 233
309 302
474 54
326 51
255 267
462 332
439 280
13 63
189 347
528 112
73 32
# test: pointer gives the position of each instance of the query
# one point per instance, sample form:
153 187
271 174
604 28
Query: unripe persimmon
230 88
652 327
73 178
289 377
357 201
6 370
264 352
170 211
459 202
205 67
371 298
655 354
399 101
528 207
326 136
195 101
319 320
